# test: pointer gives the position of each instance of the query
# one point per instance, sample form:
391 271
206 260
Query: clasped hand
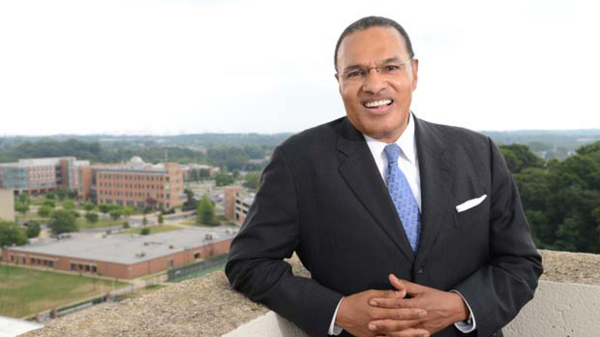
411 310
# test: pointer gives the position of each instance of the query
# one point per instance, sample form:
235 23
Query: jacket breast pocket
473 216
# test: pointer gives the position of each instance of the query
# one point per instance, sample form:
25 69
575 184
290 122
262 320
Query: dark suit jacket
323 197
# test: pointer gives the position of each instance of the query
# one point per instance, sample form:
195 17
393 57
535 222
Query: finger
388 294
397 314
411 332
393 303
392 325
404 285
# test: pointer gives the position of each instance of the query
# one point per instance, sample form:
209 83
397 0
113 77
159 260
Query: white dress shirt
409 164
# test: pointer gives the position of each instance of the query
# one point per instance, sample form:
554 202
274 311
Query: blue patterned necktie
402 197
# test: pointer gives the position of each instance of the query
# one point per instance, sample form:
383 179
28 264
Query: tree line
225 156
561 198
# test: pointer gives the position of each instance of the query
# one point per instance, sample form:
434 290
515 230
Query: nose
374 82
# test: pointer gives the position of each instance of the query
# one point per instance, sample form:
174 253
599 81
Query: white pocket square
470 203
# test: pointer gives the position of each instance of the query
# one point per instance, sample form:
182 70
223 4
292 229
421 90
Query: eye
391 68
354 73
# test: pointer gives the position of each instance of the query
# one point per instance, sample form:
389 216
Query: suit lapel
359 170
436 174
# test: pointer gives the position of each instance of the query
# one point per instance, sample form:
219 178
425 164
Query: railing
567 303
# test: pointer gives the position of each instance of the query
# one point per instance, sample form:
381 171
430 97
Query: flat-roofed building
7 205
36 175
237 203
133 184
123 256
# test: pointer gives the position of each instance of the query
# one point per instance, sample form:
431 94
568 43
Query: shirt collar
406 142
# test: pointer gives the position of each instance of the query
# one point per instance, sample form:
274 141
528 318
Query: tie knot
392 151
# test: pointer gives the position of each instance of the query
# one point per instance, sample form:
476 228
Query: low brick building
123 256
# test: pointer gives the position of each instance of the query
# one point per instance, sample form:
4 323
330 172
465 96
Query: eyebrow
388 60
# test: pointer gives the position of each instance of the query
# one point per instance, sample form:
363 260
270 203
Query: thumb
407 287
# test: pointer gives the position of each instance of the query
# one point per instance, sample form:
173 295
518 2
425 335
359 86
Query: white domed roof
136 160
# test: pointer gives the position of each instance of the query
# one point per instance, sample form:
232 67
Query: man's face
377 103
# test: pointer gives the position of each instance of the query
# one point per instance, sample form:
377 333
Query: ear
337 78
415 73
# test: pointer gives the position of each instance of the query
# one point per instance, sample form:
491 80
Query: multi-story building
41 174
133 184
7 205
237 203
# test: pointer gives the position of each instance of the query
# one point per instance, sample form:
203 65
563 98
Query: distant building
133 184
39 175
7 205
123 256
237 203
187 168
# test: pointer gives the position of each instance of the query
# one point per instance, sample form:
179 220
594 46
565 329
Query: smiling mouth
378 103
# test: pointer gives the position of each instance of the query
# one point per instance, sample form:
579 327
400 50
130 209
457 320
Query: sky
173 67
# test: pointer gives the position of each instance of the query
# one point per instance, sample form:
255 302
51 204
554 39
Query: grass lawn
31 217
153 229
108 222
26 291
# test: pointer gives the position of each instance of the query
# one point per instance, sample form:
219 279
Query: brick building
133 184
123 256
237 203
41 174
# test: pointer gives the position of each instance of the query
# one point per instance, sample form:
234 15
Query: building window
197 255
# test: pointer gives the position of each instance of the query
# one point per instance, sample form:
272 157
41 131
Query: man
382 200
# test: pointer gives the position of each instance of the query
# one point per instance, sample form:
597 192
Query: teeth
379 103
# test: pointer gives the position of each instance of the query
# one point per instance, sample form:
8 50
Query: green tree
206 211
49 203
194 175
33 229
518 157
204 174
126 225
21 207
128 211
12 234
62 221
92 217
190 202
116 213
223 179
69 204
50 195
161 219
88 206
104 208
145 231
24 198
44 211
252 180
61 192
144 221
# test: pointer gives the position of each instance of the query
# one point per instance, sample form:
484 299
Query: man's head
377 75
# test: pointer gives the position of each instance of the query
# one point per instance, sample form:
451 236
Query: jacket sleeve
270 233
498 290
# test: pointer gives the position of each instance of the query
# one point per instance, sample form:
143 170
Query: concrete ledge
567 304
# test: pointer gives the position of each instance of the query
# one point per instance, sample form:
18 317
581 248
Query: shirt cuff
335 330
469 326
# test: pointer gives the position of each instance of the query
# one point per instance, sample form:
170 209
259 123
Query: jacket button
420 271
